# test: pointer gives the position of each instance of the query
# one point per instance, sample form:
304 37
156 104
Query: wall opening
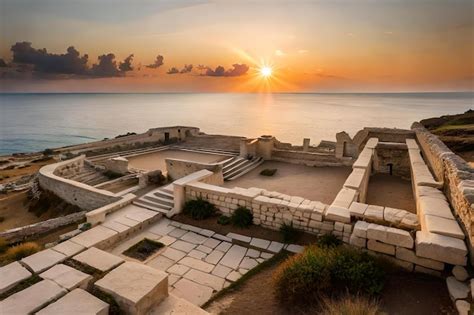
390 168
167 137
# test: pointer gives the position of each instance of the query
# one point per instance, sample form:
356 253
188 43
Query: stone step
159 201
149 206
164 194
247 168
232 163
241 163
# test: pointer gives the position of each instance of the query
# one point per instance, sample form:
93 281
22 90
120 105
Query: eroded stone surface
12 274
94 236
67 277
77 302
43 260
68 248
98 259
234 256
135 287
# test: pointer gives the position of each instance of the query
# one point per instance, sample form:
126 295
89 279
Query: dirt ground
156 160
14 211
404 294
252 231
14 174
391 191
314 183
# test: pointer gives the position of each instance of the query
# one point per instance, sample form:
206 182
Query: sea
34 122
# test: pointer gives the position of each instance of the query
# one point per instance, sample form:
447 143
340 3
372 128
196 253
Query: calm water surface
33 122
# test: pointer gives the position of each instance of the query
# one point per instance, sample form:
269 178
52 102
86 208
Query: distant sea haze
34 122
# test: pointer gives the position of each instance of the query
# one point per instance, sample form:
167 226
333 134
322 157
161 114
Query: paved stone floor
200 262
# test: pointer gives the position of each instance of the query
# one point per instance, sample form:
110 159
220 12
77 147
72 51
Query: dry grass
19 251
350 305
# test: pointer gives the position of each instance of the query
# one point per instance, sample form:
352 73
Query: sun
266 71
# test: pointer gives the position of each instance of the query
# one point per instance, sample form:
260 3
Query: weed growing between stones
242 217
289 233
328 240
143 249
199 209
355 305
223 220
18 252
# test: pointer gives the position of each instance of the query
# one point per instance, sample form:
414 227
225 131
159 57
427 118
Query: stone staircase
238 166
88 175
159 200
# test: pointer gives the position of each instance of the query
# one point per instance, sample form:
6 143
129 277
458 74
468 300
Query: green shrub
328 240
48 152
199 209
223 220
350 305
85 226
268 172
327 271
3 245
242 217
289 233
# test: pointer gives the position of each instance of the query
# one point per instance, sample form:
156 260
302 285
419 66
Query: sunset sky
311 46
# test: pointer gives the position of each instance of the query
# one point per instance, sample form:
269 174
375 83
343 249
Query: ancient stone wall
396 157
457 175
177 168
309 158
84 196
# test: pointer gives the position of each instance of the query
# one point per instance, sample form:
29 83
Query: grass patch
199 209
143 249
268 172
350 305
242 217
18 252
276 259
289 233
21 286
223 220
328 241
321 272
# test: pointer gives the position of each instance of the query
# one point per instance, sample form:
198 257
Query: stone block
294 248
32 299
345 197
197 264
374 213
442 226
381 247
77 302
463 307
43 260
68 248
436 207
11 275
460 273
233 257
409 255
136 288
98 259
357 241
360 229
457 289
389 235
442 248
260 243
206 279
338 214
193 292
274 247
193 238
67 277
183 246
238 237
96 236
173 254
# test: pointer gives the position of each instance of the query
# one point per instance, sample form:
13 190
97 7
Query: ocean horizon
32 122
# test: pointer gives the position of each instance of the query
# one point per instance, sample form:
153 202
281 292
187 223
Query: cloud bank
219 71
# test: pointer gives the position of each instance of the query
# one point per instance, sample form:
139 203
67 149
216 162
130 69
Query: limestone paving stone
177 305
248 263
252 253
11 275
221 271
294 248
460 273
162 227
357 209
214 257
193 238
191 291
173 254
67 277
211 243
177 232
224 246
196 254
238 237
196 264
243 271
116 226
43 260
160 262
76 302
68 248
337 213
234 256
266 255
172 279
178 269
206 232
183 246
275 247
94 236
374 213
32 298
442 248
233 276
443 226
140 214
135 287
463 307
204 249
98 259
222 238
167 240
260 243
457 290
204 278
126 221
360 229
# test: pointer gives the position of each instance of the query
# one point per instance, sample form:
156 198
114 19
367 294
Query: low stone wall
84 196
309 158
457 175
177 168
24 232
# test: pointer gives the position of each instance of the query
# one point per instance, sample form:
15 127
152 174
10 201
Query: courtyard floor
391 191
313 183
